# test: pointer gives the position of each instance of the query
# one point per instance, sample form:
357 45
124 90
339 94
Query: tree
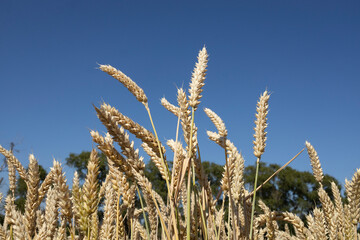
290 190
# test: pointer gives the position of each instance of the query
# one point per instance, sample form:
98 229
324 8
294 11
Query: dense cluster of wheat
190 210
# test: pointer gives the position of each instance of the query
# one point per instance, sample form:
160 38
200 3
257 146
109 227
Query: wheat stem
144 215
254 198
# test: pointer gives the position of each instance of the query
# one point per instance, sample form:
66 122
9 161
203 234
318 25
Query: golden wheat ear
126 81
198 78
315 163
353 193
261 124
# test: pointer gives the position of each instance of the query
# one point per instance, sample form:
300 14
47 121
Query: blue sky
306 53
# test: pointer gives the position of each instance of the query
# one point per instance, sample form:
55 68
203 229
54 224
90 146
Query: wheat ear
170 107
106 111
198 78
107 227
32 196
353 192
338 207
126 81
320 224
122 138
328 209
106 146
217 121
64 201
90 189
51 212
15 162
315 163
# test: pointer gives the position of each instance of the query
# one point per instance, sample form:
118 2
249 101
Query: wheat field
190 210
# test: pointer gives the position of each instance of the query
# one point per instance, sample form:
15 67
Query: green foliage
291 190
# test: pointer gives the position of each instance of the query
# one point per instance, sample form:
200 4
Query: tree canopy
290 190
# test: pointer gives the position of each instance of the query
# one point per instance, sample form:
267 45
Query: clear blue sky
307 53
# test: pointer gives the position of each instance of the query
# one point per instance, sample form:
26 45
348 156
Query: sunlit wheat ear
353 193
126 81
261 124
76 198
44 187
107 227
91 185
64 202
51 213
15 162
170 107
106 146
328 209
198 78
106 113
217 121
320 224
296 222
338 206
32 196
315 162
155 159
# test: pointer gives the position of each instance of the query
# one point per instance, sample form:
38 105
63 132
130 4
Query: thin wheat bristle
126 81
